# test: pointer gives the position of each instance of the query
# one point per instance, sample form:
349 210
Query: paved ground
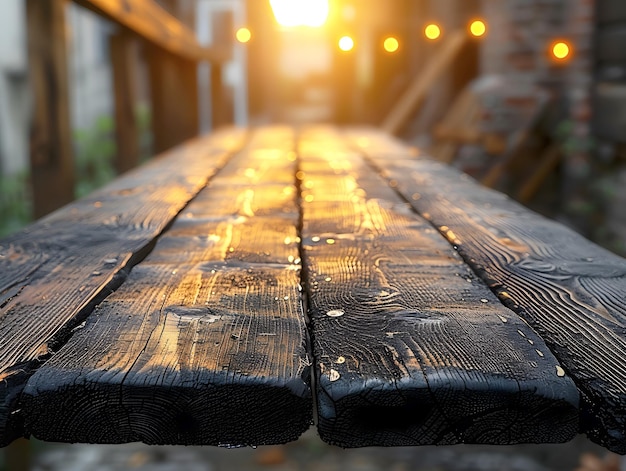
309 453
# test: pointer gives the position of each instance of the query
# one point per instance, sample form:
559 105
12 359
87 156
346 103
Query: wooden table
236 286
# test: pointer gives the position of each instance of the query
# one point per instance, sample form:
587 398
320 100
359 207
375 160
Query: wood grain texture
410 347
54 271
571 291
148 20
205 342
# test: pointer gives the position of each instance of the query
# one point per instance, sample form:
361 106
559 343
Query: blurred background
527 96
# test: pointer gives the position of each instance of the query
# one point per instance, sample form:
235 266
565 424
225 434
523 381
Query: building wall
14 99
90 85
91 92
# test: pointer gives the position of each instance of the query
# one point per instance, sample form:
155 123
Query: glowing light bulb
243 35
561 50
346 43
478 28
391 44
432 31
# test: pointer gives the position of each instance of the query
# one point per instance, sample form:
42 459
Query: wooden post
174 97
52 166
173 88
123 47
221 104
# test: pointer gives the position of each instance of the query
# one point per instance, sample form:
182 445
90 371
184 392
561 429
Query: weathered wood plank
54 271
570 290
51 155
410 347
205 342
148 20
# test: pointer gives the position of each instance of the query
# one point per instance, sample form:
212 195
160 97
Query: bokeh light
561 50
243 35
478 28
432 31
391 44
346 43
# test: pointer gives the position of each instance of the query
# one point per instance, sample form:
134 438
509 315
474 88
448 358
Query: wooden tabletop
242 285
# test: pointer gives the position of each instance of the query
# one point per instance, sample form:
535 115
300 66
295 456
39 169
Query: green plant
95 151
15 203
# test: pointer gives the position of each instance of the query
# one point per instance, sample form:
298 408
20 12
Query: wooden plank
410 347
173 97
205 347
420 86
148 20
124 57
53 272
571 291
51 155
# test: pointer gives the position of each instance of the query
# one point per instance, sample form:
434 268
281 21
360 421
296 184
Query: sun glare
291 13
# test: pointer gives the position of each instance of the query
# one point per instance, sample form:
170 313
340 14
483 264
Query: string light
478 28
346 43
561 50
432 31
243 35
391 44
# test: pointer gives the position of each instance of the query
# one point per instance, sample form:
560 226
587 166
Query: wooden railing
172 53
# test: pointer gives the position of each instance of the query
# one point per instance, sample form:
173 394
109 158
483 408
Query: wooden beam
174 98
148 20
205 342
51 155
569 290
420 86
53 272
123 47
410 347
549 160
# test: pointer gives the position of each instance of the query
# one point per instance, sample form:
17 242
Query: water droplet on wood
335 313
333 375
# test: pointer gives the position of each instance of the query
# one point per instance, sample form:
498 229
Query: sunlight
290 13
